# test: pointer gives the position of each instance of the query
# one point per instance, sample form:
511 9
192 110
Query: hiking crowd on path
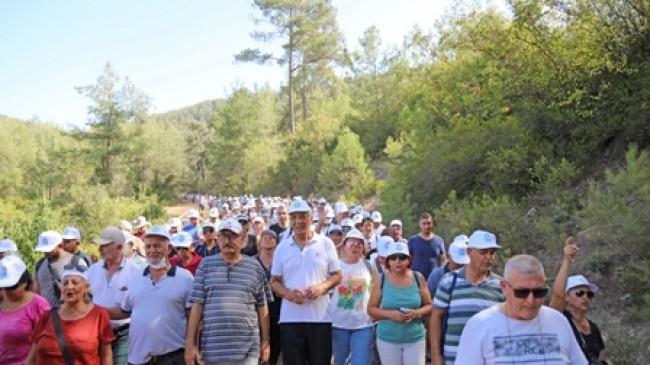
270 280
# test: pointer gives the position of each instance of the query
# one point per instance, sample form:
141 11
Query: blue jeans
356 343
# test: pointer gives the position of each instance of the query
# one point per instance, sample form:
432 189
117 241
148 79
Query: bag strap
576 332
55 282
59 335
445 317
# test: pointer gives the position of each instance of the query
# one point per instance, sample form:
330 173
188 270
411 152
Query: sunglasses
228 236
75 268
581 293
398 257
523 293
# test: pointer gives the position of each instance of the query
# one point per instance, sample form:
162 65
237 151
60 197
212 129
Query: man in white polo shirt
305 268
109 282
158 303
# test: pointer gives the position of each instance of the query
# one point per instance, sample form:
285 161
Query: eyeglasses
581 293
398 257
523 293
230 237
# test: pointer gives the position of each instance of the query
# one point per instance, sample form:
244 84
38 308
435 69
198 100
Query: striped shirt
231 295
466 300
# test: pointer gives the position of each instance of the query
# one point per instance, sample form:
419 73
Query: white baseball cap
357 218
347 222
334 228
11 269
47 241
160 231
482 240
71 233
78 271
258 219
182 239
398 248
354 233
579 280
395 222
8 245
110 235
230 224
213 213
175 222
299 206
341 207
141 221
383 244
458 250
376 216
192 213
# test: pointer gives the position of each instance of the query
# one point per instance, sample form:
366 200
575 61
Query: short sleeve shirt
301 268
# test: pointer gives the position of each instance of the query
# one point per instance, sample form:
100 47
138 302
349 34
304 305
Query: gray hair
524 264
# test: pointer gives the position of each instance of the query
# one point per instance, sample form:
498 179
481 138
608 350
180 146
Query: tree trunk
292 116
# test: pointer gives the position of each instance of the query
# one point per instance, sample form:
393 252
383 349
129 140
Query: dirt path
179 210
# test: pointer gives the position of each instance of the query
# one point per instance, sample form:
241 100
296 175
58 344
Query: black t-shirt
277 229
591 344
251 246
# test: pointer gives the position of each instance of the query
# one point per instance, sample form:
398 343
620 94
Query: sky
178 52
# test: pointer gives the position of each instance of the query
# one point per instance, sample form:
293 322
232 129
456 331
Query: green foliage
345 171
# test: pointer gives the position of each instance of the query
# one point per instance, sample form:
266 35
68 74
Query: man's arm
192 353
435 327
294 296
569 253
265 326
117 313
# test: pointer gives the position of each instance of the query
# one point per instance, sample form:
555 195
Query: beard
160 265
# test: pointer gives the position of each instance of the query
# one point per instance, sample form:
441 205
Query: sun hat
71 233
141 221
397 248
159 231
110 235
299 206
395 222
230 225
47 241
11 269
376 216
579 280
8 245
458 250
482 240
182 239
383 244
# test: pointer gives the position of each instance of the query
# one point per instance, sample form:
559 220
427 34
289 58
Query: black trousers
306 343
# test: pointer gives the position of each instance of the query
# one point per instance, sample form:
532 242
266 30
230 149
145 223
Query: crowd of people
244 280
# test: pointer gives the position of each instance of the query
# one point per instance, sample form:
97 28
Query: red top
83 337
191 267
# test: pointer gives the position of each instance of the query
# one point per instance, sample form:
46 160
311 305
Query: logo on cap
3 272
488 237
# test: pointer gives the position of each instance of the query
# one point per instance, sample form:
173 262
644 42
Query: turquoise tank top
393 298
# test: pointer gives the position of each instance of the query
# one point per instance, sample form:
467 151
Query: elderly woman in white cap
573 296
399 302
83 327
351 325
20 310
